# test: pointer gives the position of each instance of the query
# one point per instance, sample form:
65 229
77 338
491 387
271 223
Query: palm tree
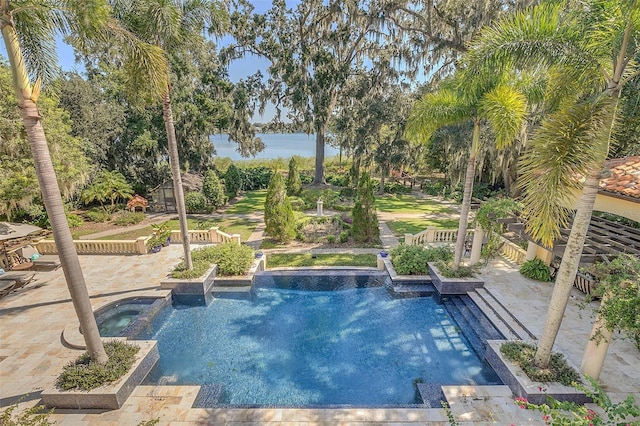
464 98
168 24
589 46
28 32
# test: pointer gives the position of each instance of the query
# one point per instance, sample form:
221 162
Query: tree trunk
466 198
167 115
568 267
51 197
319 173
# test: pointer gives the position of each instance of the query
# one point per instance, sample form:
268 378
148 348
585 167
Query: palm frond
36 24
162 22
543 35
506 109
145 64
567 145
436 110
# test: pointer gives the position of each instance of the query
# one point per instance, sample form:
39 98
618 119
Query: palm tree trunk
319 173
167 115
568 267
51 197
466 197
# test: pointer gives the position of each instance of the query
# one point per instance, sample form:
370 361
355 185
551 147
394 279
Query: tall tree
28 30
464 98
590 47
313 50
169 25
18 180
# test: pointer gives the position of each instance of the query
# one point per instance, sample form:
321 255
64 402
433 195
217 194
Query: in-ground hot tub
124 317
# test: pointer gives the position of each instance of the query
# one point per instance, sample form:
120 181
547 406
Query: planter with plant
84 384
513 362
163 233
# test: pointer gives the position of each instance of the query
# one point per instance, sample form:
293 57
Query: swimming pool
285 346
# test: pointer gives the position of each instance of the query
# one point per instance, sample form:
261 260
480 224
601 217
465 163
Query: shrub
412 260
254 178
365 220
232 181
232 259
331 239
33 416
536 270
278 214
461 272
522 354
98 215
294 184
84 374
344 236
129 218
338 180
213 189
195 202
396 188
74 220
619 285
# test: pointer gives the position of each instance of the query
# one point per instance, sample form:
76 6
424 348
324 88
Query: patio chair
14 280
46 260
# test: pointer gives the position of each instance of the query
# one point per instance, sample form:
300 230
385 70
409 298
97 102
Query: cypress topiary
213 189
294 184
365 221
278 214
232 181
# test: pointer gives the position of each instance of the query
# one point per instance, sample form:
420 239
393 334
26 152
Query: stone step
464 322
510 327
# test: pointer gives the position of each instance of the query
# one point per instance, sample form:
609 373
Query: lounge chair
14 280
46 260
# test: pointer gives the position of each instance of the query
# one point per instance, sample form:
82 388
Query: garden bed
111 396
521 386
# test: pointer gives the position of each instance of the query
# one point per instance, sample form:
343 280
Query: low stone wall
112 396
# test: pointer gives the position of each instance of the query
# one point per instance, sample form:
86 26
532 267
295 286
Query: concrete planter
446 285
192 286
385 263
112 396
522 386
259 264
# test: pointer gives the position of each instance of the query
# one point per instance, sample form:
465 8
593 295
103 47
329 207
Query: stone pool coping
111 396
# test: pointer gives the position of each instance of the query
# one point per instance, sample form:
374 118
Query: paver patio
31 353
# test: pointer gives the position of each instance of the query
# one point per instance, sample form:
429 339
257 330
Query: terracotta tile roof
622 177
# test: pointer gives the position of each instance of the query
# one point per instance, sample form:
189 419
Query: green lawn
409 204
241 226
277 260
413 226
252 201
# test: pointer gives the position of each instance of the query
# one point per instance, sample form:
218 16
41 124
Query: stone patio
31 353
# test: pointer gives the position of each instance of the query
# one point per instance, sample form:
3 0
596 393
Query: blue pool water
290 347
115 318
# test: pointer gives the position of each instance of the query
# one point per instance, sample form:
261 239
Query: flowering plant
569 413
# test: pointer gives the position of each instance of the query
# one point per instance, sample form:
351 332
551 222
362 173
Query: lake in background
277 145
